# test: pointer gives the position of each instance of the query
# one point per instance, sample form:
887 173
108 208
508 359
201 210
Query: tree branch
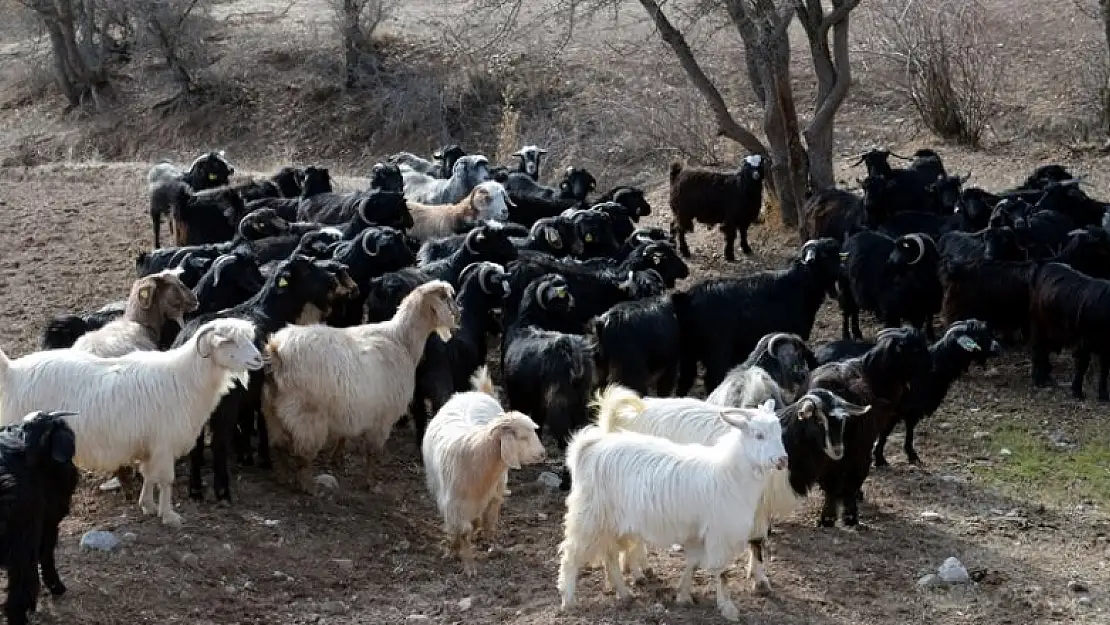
727 125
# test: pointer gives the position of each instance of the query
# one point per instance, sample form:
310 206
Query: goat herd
290 316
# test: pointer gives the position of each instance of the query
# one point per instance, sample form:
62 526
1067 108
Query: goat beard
444 333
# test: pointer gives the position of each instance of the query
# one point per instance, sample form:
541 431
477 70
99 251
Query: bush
946 68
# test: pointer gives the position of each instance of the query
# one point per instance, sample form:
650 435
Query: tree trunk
67 82
351 36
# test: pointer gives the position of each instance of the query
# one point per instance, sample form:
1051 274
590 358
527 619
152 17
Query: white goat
468 448
146 406
331 383
154 300
627 485
468 172
488 201
689 421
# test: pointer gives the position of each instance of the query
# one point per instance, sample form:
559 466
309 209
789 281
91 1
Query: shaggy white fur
154 299
330 383
747 387
146 406
627 485
468 172
468 449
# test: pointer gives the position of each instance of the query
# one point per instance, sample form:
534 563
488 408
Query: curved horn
219 265
366 246
905 158
362 206
773 342
483 277
466 241
916 238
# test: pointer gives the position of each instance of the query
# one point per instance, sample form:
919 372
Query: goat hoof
1103 397
748 251
881 462
914 459
730 258
1078 394
246 461
223 496
761 587
826 521
57 588
850 520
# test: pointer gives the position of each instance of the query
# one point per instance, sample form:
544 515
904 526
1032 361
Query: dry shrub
356 21
946 66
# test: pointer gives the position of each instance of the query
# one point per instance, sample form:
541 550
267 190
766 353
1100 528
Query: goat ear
736 419
146 296
510 455
63 445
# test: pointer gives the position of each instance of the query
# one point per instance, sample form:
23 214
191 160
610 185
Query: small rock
271 522
930 516
466 604
327 481
953 572
344 564
334 607
403 545
980 435
932 579
190 559
541 516
1005 452
1077 586
1084 601
130 536
944 425
231 590
112 484
416 618
549 479
100 540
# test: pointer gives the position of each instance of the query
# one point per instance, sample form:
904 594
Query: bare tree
84 35
800 155
356 22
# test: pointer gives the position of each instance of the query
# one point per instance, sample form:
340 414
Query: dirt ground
1026 524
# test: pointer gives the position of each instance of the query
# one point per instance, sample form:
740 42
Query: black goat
205 217
314 181
629 197
988 243
963 344
833 213
894 278
548 374
1068 308
530 156
639 344
37 480
723 319
374 252
387 177
731 199
207 171
877 379
485 242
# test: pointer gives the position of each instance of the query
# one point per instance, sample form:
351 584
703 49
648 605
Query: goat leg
196 465
1103 374
911 453
1082 358
730 242
23 587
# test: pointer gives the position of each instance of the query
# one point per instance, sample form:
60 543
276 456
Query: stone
541 516
334 607
99 540
953 572
932 579
1077 586
190 559
980 435
466 604
1084 601
327 481
928 515
416 618
1005 452
130 536
344 564
550 480
110 485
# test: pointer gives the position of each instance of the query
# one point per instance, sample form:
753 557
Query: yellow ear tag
589 238
212 176
282 283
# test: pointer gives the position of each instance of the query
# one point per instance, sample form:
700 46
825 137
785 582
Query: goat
733 200
154 300
776 369
530 156
468 449
207 171
467 173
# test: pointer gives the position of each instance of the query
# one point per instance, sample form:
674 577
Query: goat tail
612 404
482 382
676 169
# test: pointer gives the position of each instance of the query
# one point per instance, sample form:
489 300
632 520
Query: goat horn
483 275
905 158
362 206
466 242
200 337
218 267
916 238
774 341
366 241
